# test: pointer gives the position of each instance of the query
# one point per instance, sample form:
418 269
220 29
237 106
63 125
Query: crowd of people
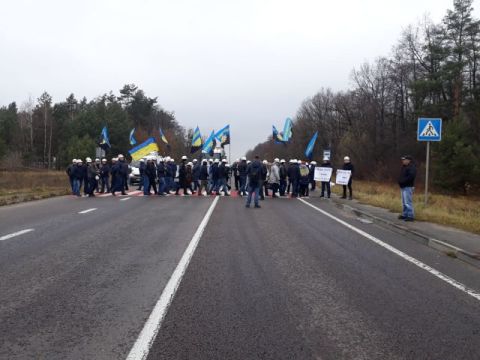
254 178
164 176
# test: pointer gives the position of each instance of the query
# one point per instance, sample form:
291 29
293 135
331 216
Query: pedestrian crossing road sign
429 129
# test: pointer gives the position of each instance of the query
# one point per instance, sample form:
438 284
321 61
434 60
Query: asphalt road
282 282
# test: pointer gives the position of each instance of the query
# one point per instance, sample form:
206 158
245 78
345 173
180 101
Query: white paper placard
343 176
323 173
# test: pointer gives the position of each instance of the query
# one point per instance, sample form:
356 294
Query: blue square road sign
429 129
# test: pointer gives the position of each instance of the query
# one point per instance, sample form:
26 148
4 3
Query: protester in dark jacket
254 173
105 176
203 177
161 173
347 165
406 181
326 184
141 170
149 177
242 176
69 172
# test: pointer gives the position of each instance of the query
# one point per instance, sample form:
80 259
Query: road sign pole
427 166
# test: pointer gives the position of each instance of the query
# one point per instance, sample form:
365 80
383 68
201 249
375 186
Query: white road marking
414 261
150 330
125 199
21 232
87 211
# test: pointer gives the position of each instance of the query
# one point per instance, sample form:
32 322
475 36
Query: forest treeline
43 134
432 71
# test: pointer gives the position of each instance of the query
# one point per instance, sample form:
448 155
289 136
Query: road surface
199 278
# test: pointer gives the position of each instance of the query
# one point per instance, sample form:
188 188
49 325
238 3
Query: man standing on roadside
406 181
254 173
70 169
242 176
104 176
347 165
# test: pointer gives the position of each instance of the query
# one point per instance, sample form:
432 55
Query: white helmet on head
248 161
265 162
299 161
217 161
172 160
184 157
282 161
195 160
143 159
276 160
190 163
244 158
104 160
79 161
224 160
74 161
120 156
88 160
313 162
325 158
346 159
97 160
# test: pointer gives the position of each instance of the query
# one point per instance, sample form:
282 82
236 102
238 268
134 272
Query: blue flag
223 136
310 146
287 130
209 145
132 138
104 142
196 141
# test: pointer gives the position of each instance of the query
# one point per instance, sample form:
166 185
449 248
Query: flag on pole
132 138
104 142
310 146
287 130
196 141
209 145
144 149
223 136
277 137
163 137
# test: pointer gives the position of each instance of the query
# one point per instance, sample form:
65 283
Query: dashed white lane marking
414 261
125 199
150 330
87 211
21 232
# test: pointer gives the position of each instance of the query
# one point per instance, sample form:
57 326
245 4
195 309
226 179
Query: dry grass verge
458 211
20 186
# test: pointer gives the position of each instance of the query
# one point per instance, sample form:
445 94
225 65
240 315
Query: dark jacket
141 168
222 171
150 171
105 170
196 172
407 175
115 170
204 172
311 174
182 172
91 172
214 171
123 168
291 171
254 173
161 170
242 168
264 172
283 172
349 166
70 170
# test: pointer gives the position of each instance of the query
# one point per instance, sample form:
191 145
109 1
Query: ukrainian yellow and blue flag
209 145
144 149
223 136
196 141
104 142
163 137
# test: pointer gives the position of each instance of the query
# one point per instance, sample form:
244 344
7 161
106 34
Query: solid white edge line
21 232
124 199
394 250
87 211
150 330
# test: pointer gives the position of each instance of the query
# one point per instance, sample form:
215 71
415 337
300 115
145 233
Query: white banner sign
343 176
323 173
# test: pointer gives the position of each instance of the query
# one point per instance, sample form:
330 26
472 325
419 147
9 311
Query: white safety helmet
97 160
276 160
120 156
346 159
104 160
282 161
325 158
190 163
217 161
195 160
79 161
74 161
184 157
143 159
224 160
299 161
265 162
313 162
248 161
244 158
88 160
172 160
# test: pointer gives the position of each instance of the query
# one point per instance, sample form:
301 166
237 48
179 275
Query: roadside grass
458 211
20 186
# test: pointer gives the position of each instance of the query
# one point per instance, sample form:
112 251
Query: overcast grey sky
213 62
